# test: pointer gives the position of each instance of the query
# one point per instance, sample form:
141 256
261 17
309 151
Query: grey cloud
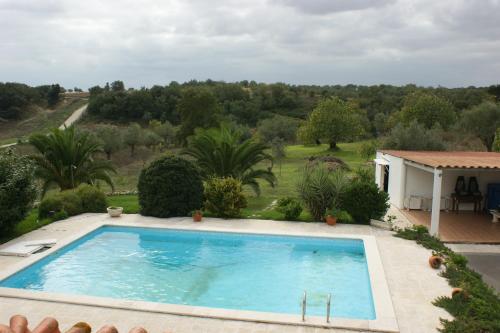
332 6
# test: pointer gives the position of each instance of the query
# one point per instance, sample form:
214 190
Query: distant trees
165 130
495 91
53 94
278 127
428 109
133 137
333 120
414 136
111 139
496 143
483 121
197 108
117 86
16 98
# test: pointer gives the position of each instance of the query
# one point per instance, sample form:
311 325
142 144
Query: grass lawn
40 121
258 206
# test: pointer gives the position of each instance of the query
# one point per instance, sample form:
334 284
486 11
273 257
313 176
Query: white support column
379 178
436 201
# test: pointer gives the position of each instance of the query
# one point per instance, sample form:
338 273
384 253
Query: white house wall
396 185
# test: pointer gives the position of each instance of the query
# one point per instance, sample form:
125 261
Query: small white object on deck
496 215
24 249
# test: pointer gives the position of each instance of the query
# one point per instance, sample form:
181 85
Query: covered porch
449 192
465 227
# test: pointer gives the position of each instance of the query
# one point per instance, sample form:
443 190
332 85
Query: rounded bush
170 186
93 199
17 189
224 197
290 207
67 201
364 201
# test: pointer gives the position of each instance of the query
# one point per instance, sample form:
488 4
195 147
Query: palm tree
66 159
222 153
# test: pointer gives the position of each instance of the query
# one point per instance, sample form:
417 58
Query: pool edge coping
385 320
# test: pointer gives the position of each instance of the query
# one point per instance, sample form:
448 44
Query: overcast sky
146 42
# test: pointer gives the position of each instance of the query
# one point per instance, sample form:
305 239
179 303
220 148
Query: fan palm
66 159
222 153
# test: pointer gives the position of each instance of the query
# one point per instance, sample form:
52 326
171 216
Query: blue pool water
211 269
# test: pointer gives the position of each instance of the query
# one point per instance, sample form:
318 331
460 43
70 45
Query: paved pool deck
412 284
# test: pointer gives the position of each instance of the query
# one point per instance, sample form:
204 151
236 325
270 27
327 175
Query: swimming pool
210 269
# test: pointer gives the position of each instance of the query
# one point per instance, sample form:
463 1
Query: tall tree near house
333 121
111 139
133 137
483 121
67 159
496 143
428 109
197 108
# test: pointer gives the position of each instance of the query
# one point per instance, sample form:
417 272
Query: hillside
39 120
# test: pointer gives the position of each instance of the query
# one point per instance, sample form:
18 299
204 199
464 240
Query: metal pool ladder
328 305
304 304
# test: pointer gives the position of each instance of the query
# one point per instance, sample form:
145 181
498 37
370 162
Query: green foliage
17 189
151 140
60 215
133 136
198 108
428 109
477 309
290 208
341 215
222 153
368 149
66 159
363 200
333 120
278 127
320 189
170 186
483 121
496 143
110 138
68 201
165 130
278 150
414 137
224 197
93 199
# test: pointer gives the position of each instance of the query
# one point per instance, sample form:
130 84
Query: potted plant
331 216
115 211
435 261
197 215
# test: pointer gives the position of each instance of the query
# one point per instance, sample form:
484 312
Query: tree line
17 98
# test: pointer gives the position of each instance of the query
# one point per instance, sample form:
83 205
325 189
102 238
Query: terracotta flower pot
435 261
459 292
197 216
331 220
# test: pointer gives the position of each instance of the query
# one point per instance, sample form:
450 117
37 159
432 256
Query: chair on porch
471 195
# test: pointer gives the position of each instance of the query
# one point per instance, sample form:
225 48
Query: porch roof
450 159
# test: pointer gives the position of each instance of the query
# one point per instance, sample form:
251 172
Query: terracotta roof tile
450 159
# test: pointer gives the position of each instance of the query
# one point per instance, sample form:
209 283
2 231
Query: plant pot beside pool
197 216
115 211
331 220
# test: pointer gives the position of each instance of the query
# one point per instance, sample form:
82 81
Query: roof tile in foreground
450 159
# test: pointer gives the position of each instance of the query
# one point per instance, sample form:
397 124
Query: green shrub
341 215
477 309
364 201
224 197
290 208
170 186
17 189
320 189
60 215
93 199
68 201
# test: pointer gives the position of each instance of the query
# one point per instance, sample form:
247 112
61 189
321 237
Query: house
414 179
